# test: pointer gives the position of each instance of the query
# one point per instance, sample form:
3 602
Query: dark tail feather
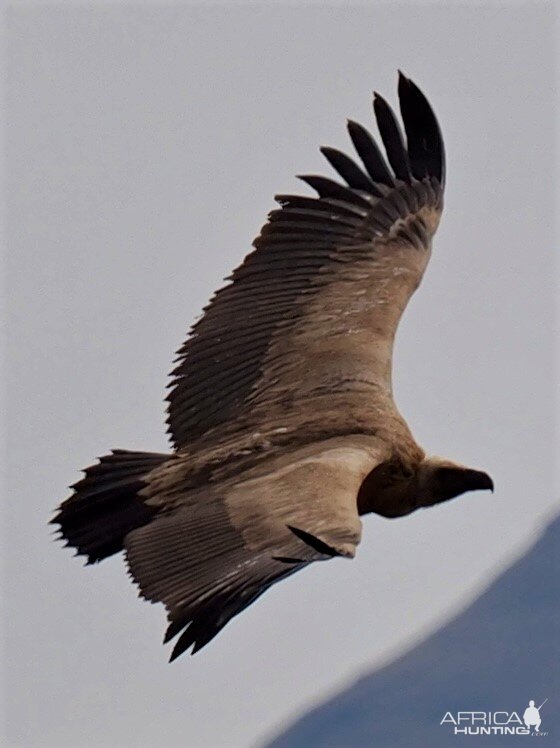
105 505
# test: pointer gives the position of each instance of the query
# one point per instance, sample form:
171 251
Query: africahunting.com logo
496 723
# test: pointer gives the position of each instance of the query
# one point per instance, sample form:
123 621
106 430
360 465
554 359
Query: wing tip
425 146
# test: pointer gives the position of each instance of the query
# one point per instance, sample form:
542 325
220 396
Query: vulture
281 411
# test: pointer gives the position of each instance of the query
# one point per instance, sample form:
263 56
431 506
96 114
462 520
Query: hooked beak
479 481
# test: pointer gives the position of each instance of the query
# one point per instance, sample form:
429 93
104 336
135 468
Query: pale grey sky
144 146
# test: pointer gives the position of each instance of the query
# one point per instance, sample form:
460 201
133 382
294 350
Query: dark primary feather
392 137
326 187
370 154
424 140
298 250
349 171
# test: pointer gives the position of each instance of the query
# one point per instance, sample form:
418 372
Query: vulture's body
281 409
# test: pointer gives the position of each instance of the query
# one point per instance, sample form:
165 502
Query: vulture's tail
105 505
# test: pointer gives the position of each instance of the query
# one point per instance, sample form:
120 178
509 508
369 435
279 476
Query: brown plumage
281 410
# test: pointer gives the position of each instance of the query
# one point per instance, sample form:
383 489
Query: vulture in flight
281 410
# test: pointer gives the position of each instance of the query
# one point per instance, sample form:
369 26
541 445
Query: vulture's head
439 480
392 492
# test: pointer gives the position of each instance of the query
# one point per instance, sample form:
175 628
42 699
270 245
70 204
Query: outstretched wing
311 313
208 560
